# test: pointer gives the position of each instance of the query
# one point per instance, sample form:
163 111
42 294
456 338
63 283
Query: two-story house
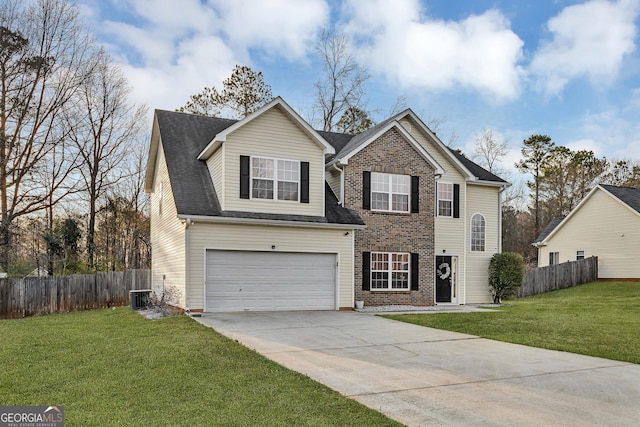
266 213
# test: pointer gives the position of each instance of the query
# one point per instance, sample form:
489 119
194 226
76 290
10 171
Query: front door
444 279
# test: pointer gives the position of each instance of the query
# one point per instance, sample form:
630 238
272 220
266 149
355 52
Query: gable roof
548 229
183 136
279 103
475 169
627 196
362 140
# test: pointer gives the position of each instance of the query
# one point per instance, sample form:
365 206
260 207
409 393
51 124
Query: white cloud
171 49
585 144
589 39
283 27
479 53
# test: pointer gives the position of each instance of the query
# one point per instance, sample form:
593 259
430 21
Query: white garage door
270 281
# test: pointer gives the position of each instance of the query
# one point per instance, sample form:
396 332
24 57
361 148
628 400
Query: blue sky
569 69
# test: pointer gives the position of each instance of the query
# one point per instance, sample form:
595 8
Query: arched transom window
477 233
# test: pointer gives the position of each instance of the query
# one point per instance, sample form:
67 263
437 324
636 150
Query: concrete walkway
424 377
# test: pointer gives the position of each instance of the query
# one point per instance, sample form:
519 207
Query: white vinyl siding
204 236
273 135
167 235
334 179
602 227
481 199
215 163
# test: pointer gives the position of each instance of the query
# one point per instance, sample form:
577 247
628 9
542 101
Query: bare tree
44 56
341 86
103 125
625 172
489 150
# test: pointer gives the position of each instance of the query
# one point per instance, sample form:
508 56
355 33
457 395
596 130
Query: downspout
187 224
341 195
502 190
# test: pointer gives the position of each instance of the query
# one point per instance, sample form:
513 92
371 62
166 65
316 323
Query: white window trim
484 233
390 272
274 179
438 198
556 258
391 193
578 256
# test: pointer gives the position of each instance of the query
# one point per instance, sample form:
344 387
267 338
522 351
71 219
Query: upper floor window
445 199
477 232
274 178
390 192
448 199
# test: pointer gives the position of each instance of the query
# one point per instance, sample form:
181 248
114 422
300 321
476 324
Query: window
579 255
477 232
390 192
445 199
274 178
389 271
554 258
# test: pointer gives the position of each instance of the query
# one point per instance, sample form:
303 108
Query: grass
597 319
113 367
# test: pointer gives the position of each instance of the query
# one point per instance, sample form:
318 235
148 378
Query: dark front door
444 277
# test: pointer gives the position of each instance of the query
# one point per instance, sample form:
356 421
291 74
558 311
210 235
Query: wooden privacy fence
44 295
559 276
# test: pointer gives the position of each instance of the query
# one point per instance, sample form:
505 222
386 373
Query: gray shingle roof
628 195
477 170
344 146
548 229
183 137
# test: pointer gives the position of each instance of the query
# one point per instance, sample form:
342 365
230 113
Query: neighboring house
605 224
266 213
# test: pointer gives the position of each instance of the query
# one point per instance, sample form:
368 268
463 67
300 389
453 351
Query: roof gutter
191 219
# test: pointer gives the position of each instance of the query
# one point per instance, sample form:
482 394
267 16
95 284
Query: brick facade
390 231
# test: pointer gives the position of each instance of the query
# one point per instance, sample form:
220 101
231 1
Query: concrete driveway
422 377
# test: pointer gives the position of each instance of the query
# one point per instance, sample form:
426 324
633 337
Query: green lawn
597 319
113 367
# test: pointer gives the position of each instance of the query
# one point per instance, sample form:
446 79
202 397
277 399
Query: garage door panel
267 281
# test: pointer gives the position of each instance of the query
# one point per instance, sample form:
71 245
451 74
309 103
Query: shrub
506 273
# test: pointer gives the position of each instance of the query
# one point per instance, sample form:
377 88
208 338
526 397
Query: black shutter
244 177
456 200
366 271
415 194
304 182
366 190
415 277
